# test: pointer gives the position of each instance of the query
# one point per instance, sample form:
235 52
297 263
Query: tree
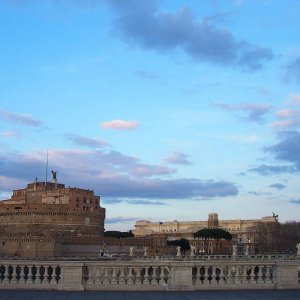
213 233
118 234
183 243
276 237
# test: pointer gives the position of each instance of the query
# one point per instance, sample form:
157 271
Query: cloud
278 186
112 201
151 170
120 220
111 174
145 75
120 125
287 118
293 70
177 158
294 99
10 134
7 183
144 202
22 119
86 141
272 169
295 201
286 150
143 24
255 111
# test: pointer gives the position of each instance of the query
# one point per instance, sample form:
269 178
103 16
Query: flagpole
47 168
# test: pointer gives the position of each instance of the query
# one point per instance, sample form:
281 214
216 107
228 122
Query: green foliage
118 234
213 233
183 243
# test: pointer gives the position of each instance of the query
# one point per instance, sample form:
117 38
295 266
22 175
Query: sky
167 109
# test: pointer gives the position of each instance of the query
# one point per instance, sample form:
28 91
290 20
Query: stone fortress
45 219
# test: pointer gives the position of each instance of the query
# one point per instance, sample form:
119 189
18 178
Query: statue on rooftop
54 175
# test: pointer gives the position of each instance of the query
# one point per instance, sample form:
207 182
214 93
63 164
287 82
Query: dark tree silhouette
213 233
183 243
118 234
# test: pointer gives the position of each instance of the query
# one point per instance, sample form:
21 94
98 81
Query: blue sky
167 109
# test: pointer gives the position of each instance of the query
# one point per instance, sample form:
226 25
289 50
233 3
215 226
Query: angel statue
54 175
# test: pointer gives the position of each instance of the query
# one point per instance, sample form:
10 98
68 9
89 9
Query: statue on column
247 250
145 251
131 252
193 249
234 249
54 176
298 249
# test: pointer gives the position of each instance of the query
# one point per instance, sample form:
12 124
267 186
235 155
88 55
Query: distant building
243 231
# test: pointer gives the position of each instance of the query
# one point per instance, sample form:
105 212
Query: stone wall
154 273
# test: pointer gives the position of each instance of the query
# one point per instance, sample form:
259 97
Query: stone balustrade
154 273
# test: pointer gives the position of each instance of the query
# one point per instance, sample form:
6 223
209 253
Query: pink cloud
284 124
23 119
152 170
294 99
177 158
120 125
285 113
10 133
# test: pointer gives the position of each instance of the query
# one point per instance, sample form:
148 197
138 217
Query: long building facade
243 231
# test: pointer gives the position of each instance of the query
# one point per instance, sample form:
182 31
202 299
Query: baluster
244 275
222 279
154 276
114 276
14 274
268 277
130 280
22 275
239 274
260 275
122 276
98 275
106 279
146 276
38 274
139 279
252 275
161 275
30 274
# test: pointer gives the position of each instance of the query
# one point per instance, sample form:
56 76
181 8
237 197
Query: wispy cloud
293 70
178 158
203 41
145 75
10 133
286 150
255 111
120 125
21 119
272 169
294 99
115 220
295 201
86 141
145 202
278 186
